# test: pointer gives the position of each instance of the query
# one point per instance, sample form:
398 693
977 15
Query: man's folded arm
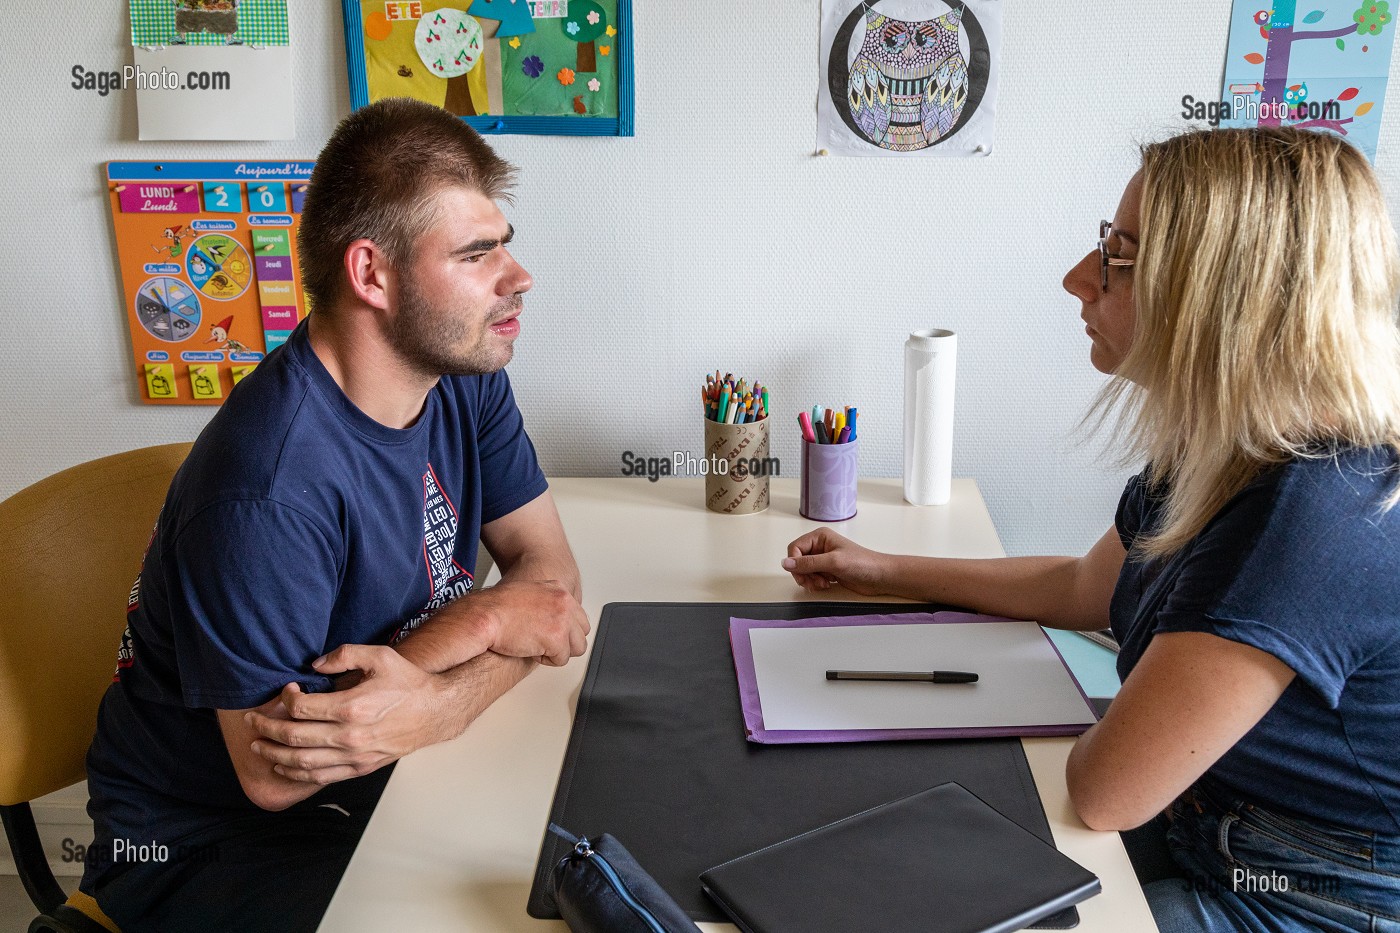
533 612
265 787
393 708
462 659
280 762
530 544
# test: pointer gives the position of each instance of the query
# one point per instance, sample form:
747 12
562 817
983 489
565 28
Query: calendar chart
209 270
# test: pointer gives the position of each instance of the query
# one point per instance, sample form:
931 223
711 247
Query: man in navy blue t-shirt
298 623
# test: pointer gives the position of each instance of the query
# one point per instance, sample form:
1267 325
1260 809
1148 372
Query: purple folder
753 713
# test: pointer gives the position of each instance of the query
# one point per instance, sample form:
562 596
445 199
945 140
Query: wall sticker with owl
1310 66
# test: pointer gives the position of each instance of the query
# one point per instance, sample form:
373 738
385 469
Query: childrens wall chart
558 67
1310 65
908 78
209 270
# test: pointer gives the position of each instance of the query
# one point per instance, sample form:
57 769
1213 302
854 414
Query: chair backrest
70 549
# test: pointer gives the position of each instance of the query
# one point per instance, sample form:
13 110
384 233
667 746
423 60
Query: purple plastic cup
829 473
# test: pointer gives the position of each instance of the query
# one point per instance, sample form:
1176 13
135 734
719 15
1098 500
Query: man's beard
425 336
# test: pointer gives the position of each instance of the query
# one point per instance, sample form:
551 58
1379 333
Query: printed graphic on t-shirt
439 533
447 579
126 652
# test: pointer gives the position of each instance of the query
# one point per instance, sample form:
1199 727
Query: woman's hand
822 557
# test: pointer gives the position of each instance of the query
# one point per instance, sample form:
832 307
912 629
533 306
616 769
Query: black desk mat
658 758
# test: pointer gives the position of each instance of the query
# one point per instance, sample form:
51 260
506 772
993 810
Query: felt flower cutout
594 84
593 18
515 42
571 28
604 49
566 76
532 66
611 31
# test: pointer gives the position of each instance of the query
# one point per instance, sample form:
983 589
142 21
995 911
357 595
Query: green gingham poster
157 23
212 69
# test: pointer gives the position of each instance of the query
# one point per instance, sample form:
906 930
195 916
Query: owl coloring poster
908 78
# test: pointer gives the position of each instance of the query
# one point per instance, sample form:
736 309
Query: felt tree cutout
451 44
513 15
585 23
499 19
1276 26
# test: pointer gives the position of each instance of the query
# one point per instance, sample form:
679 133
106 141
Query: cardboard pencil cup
829 474
736 481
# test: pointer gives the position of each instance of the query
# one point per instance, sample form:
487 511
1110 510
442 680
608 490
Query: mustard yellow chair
70 549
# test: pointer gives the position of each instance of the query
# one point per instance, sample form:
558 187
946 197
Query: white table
452 845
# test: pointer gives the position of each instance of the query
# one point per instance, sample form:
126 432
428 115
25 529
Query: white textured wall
712 238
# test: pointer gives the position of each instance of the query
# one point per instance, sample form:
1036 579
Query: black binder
658 757
940 860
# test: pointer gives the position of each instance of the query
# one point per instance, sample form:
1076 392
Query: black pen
927 677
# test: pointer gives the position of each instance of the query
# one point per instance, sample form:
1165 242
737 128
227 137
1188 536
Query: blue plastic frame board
546 67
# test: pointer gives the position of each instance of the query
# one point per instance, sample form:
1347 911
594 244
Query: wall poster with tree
556 67
1310 65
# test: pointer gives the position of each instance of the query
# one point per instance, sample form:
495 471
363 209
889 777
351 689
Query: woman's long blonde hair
1265 293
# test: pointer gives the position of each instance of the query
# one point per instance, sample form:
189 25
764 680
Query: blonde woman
1243 299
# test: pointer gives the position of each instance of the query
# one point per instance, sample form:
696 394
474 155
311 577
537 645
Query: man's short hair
376 179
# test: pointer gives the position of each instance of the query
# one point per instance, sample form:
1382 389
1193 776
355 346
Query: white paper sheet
255 104
1022 681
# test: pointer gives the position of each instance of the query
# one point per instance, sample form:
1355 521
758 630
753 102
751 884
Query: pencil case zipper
584 849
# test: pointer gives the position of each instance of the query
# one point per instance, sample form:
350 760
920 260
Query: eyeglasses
1104 227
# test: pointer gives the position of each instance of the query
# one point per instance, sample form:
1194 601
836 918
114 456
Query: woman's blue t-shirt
1304 564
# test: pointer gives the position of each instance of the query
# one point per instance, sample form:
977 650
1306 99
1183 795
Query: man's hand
394 709
533 613
822 557
537 619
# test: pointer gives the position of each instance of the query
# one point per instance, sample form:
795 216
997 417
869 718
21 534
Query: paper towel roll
930 368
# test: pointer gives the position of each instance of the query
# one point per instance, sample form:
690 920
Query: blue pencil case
600 888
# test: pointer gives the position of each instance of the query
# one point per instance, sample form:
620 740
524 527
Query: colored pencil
729 402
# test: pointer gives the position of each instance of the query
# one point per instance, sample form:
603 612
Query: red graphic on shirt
447 579
439 534
126 655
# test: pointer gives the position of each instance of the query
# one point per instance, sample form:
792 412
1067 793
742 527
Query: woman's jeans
1244 868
